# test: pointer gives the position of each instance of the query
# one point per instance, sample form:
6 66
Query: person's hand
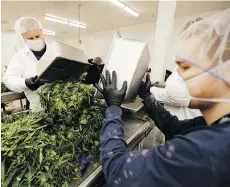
32 83
144 89
93 73
111 95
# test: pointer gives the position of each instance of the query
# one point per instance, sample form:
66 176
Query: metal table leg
27 104
21 104
3 106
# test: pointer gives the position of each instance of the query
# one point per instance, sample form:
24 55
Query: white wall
8 48
98 44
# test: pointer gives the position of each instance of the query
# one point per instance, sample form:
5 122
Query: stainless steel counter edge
89 179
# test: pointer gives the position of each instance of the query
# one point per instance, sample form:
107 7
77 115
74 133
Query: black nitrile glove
144 89
93 73
90 60
111 95
32 84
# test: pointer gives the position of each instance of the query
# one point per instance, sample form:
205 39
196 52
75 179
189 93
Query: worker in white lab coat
21 73
174 98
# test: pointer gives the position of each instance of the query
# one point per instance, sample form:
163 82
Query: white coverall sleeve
13 77
171 95
161 94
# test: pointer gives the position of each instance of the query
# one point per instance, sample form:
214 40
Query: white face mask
35 45
178 90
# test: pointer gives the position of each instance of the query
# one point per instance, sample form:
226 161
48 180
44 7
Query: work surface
11 96
135 131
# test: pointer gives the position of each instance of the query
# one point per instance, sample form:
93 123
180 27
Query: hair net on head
23 25
208 40
189 23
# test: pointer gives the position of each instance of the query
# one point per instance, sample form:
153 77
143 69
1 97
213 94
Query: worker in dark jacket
197 151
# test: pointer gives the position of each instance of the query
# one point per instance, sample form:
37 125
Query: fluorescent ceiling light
124 7
117 3
76 25
48 32
52 16
76 22
131 11
56 20
64 21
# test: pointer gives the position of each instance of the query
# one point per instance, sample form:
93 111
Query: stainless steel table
135 131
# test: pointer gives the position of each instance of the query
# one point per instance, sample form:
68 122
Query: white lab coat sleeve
161 94
173 94
13 76
158 93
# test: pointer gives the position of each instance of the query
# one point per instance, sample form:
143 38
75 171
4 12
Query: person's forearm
167 123
15 84
111 139
161 117
113 129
